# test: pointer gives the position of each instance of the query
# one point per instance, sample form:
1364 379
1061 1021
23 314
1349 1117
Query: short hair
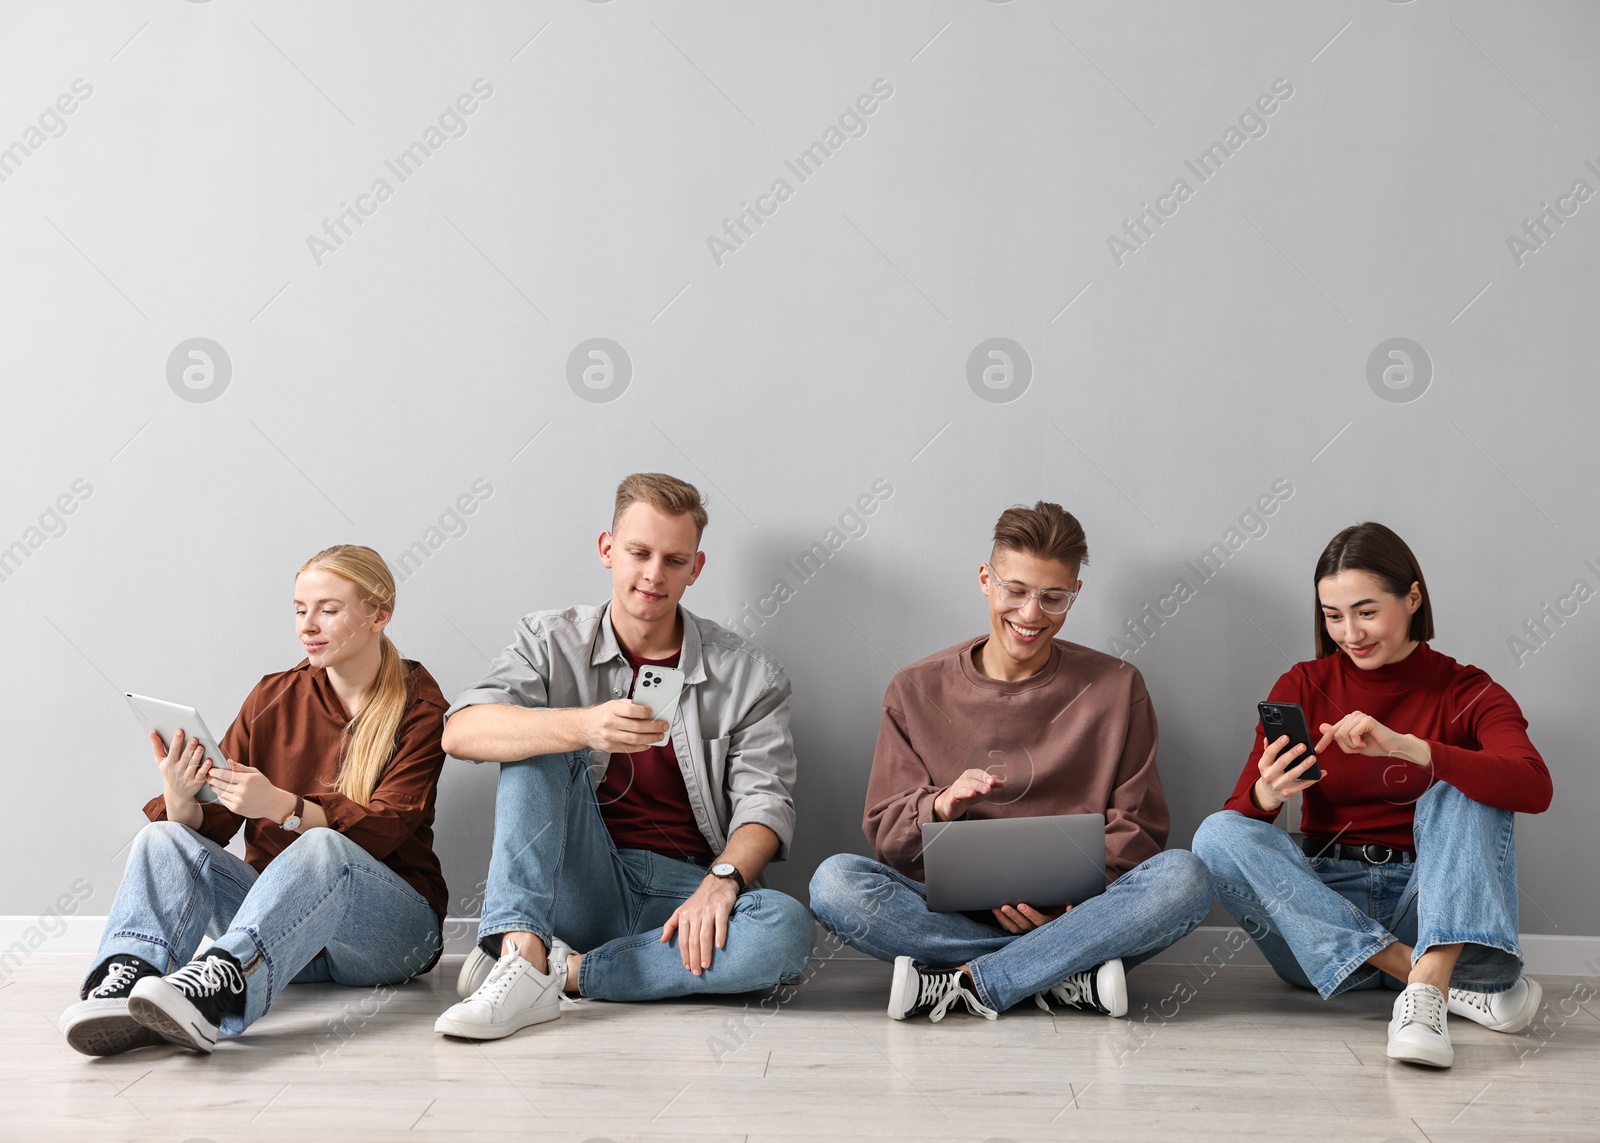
1381 553
1046 530
666 494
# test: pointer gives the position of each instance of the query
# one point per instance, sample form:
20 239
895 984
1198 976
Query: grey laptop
988 862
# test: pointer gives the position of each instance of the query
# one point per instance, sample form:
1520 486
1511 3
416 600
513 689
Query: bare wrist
1262 801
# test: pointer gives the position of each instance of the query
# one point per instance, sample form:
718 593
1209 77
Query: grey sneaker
1508 1011
1103 989
474 971
99 1024
1417 1031
918 990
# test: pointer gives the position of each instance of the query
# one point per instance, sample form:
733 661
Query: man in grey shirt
626 849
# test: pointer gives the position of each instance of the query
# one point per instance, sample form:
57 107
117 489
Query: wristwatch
292 822
729 871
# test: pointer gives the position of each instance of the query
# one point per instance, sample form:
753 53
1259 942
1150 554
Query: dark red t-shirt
643 798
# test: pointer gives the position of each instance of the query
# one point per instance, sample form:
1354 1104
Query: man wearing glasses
1016 723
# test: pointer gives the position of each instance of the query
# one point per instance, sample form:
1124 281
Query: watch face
723 869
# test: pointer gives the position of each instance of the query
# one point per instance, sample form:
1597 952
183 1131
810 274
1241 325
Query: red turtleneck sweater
1473 727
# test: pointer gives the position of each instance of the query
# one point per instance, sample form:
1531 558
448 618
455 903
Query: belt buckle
1367 852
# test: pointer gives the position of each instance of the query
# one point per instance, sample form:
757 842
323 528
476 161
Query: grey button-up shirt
731 732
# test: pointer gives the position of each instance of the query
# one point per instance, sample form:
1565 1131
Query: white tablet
167 718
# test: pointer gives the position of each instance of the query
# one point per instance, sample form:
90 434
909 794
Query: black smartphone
1280 718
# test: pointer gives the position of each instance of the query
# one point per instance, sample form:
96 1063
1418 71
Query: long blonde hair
370 735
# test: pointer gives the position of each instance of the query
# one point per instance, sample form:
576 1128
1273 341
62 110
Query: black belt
1370 853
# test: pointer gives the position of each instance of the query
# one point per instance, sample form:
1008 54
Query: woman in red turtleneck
1408 869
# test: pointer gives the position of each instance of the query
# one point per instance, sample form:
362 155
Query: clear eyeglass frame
1052 601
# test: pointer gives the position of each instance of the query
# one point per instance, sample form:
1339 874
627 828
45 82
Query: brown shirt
1079 737
291 728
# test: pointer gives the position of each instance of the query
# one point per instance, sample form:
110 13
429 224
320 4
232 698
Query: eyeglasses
1051 602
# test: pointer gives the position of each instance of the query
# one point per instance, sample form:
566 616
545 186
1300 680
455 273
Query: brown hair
1046 530
666 494
1380 552
370 735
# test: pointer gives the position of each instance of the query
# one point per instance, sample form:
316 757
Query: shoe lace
501 977
939 990
1478 1000
1424 1006
118 977
1075 991
207 976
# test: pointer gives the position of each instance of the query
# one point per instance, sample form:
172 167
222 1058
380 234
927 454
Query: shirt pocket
716 775
717 758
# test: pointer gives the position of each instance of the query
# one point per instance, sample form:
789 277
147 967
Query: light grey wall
374 382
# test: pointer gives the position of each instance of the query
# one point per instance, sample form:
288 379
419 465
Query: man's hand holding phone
620 726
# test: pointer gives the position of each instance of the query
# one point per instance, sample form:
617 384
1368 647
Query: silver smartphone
659 688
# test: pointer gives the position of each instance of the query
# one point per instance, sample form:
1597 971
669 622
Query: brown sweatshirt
291 728
1079 737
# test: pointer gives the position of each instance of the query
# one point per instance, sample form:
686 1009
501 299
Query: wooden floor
1235 1056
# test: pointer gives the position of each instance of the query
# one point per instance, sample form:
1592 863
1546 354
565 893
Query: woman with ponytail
332 769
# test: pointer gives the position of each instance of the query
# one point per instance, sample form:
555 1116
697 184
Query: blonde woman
334 769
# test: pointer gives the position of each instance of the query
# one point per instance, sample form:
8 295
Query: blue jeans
885 914
1318 919
324 893
555 872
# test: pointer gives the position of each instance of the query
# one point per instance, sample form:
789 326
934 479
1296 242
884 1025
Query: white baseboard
1545 953
1542 953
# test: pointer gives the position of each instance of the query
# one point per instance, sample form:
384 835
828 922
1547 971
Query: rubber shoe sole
905 978
1429 1055
539 1014
104 1028
1111 982
164 1010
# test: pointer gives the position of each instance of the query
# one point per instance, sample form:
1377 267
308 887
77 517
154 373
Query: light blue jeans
885 914
554 871
1317 920
324 893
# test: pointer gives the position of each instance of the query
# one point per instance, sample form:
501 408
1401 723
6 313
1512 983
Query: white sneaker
1508 1011
1417 1032
474 971
918 990
1102 989
513 996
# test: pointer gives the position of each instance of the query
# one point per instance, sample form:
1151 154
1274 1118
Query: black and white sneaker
99 1024
187 1006
1103 989
918 990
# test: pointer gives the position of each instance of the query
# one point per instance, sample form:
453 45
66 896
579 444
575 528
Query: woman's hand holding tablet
184 767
